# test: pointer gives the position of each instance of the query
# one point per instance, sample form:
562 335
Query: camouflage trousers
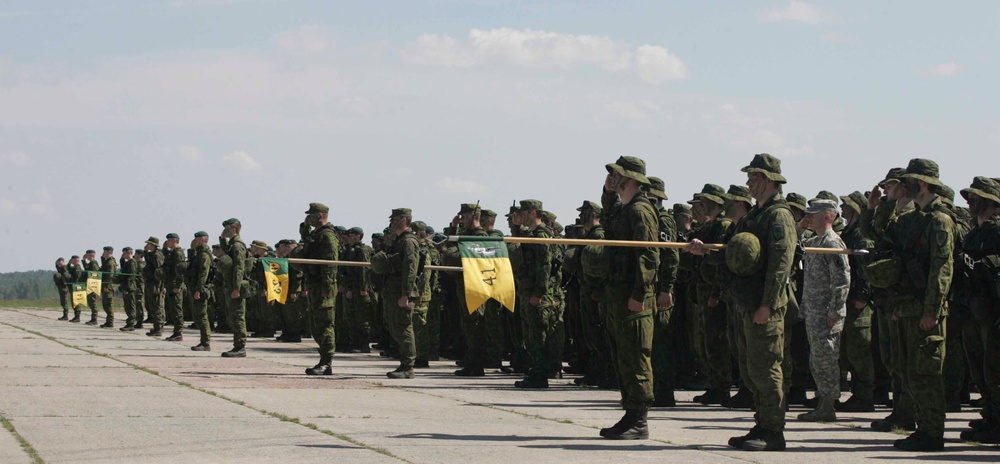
496 337
236 314
902 404
856 352
921 355
173 303
595 337
542 329
154 306
92 304
399 321
662 356
824 355
130 300
64 301
764 345
322 319
107 302
358 316
631 347
982 348
717 359
199 310
474 330
421 331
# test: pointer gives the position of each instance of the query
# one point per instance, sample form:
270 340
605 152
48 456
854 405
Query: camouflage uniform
600 371
771 222
91 265
153 281
129 283
109 267
663 357
233 271
539 323
856 340
357 282
174 265
198 282
60 279
321 283
402 262
75 274
473 324
824 297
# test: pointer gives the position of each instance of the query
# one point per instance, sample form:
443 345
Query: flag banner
94 282
276 275
79 292
487 272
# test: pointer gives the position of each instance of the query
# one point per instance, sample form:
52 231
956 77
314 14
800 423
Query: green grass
28 449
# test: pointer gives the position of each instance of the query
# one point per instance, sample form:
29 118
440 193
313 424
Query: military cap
317 208
153 241
681 208
923 170
743 254
893 175
259 244
590 206
822 205
796 201
401 212
946 193
488 213
200 233
825 195
859 198
127 249
340 229
557 226
630 167
216 246
429 230
230 221
356 231
513 209
468 208
767 165
530 205
173 236
378 235
60 259
656 188
74 257
738 193
850 202
985 188
710 192
418 226
548 216
90 252
109 248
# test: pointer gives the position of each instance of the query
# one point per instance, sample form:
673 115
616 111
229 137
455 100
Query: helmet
743 254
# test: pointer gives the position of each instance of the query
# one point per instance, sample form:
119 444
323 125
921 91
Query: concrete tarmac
77 393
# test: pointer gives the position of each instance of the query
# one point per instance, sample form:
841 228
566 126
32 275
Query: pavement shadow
328 446
500 438
596 447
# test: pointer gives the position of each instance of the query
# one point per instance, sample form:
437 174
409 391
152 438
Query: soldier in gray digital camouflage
827 278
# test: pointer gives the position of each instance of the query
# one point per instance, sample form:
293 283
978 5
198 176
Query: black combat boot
470 371
919 441
176 337
401 372
893 422
714 396
323 368
92 321
664 399
743 399
65 316
76 317
533 381
633 427
128 328
235 353
737 442
201 347
766 440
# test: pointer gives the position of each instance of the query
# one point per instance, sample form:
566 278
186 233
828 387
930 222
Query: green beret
340 229
216 246
468 208
590 206
230 221
429 230
530 205
200 233
173 236
153 241
401 212
356 231
74 257
317 208
127 249
109 248
378 235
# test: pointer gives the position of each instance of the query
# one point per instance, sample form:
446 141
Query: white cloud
770 142
946 70
15 158
656 65
242 160
626 110
192 154
797 12
733 116
461 186
542 49
42 206
307 39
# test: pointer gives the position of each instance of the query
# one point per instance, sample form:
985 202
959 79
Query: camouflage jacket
75 274
174 265
635 267
827 279
153 272
666 274
321 243
198 270
773 225
403 256
128 279
855 240
533 274
977 271
109 267
232 265
61 278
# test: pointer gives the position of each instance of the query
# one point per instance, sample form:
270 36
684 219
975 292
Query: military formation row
643 320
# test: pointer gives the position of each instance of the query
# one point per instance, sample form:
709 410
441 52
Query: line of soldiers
642 320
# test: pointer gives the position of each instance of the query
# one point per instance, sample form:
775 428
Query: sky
121 120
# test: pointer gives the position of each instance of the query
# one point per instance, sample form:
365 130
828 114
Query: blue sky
171 116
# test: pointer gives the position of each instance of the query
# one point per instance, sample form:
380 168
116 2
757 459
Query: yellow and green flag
94 282
487 271
79 291
276 275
